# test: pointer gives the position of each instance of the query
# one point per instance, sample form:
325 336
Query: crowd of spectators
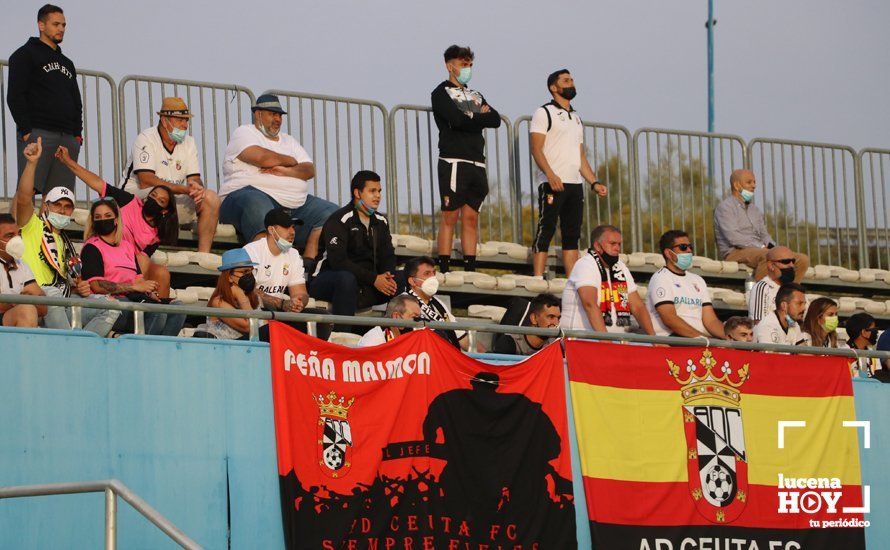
297 245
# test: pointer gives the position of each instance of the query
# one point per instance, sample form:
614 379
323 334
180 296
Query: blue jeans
156 324
246 209
98 321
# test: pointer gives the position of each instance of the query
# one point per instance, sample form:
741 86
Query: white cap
58 193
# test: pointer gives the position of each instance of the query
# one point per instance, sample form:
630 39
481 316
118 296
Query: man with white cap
48 252
165 155
265 168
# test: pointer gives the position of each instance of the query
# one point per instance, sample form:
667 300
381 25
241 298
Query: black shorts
568 206
470 185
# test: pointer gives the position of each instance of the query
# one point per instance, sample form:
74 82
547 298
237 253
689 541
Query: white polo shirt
688 293
150 155
13 281
275 273
762 298
586 273
770 331
562 144
287 191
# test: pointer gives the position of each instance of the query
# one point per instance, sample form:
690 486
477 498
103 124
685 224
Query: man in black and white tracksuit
461 115
45 101
557 144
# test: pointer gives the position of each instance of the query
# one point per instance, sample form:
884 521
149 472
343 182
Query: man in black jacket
461 115
357 257
45 101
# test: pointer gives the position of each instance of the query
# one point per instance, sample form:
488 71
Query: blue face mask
791 322
283 244
466 73
747 196
59 221
366 208
178 135
684 261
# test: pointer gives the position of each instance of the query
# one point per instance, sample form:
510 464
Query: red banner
413 445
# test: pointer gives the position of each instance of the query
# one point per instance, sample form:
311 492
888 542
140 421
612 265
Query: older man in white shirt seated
403 307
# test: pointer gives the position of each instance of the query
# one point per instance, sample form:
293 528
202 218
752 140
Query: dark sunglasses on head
786 261
684 247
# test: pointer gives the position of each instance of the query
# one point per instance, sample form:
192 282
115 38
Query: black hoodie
460 120
43 91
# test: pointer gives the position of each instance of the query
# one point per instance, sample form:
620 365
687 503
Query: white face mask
15 247
430 286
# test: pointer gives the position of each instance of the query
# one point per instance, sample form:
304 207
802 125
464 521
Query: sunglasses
786 261
684 247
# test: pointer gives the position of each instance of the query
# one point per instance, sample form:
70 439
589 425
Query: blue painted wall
187 424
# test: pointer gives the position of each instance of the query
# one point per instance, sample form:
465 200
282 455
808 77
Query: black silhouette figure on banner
498 447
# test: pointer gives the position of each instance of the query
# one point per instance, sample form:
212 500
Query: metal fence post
864 259
110 519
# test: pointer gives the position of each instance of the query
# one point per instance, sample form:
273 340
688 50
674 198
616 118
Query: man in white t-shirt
280 279
403 307
601 294
779 271
16 278
679 301
557 145
167 156
264 169
782 326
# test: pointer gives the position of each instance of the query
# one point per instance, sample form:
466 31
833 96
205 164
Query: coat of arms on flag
712 420
334 434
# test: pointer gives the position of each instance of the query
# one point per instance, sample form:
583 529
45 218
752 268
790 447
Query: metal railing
810 197
472 327
414 181
609 149
99 152
874 219
680 178
112 489
217 108
342 135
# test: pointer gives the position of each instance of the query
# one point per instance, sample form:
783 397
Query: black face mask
247 283
152 209
609 259
787 275
873 337
104 227
569 93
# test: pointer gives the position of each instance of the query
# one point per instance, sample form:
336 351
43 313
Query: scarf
613 292
433 311
50 255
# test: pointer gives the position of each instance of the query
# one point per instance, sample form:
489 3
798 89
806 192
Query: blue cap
268 102
234 258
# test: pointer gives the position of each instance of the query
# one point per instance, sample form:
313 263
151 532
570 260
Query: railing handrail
116 488
480 326
326 97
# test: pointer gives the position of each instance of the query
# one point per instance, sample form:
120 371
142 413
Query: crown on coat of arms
708 380
331 405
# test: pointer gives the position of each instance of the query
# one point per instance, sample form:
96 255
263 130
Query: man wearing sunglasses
741 230
403 307
779 271
678 301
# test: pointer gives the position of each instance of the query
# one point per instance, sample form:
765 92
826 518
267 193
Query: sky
798 69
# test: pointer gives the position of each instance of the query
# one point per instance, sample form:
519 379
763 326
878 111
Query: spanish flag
691 448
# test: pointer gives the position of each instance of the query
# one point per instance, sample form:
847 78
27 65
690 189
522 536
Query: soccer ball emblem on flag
712 421
334 434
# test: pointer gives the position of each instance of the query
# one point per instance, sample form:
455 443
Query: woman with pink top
146 223
110 266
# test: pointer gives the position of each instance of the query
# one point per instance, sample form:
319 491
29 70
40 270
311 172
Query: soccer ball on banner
719 484
333 457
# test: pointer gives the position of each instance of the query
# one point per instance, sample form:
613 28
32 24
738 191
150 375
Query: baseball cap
237 257
268 102
58 193
279 216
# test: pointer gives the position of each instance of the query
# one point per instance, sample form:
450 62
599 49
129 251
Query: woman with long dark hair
820 323
147 223
235 289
